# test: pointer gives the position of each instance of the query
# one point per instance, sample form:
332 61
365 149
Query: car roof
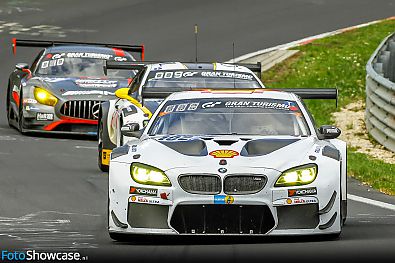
230 93
83 48
198 65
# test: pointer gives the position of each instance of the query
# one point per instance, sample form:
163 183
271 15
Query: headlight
298 176
44 97
145 174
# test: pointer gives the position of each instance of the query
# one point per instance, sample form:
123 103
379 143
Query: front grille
83 109
200 183
237 184
222 219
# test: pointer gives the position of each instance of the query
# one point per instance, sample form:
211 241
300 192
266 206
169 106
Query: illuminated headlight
44 97
145 174
298 176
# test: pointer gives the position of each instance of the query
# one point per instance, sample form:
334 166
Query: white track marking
85 147
371 202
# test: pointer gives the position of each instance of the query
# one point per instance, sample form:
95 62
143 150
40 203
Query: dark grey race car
62 90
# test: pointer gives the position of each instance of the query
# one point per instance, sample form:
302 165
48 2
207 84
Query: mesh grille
244 183
200 183
83 109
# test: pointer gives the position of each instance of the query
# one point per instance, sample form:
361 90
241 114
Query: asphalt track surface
52 195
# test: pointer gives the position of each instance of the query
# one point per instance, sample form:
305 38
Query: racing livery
152 84
220 162
62 90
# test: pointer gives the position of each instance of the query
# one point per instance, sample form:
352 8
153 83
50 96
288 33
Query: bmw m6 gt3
152 84
229 163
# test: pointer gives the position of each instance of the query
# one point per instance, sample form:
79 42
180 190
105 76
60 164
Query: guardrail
380 93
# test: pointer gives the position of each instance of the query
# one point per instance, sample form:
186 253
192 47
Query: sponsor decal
302 191
32 108
40 116
88 92
143 191
261 104
165 195
96 83
210 104
224 153
30 101
149 200
176 138
223 199
88 55
296 201
225 74
51 79
120 59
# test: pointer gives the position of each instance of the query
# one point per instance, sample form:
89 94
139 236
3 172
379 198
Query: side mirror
22 66
131 130
122 93
328 132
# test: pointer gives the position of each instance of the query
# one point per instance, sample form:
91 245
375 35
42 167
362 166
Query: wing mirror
22 66
122 93
328 132
131 130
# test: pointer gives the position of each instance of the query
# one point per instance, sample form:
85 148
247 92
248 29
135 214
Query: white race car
152 84
229 162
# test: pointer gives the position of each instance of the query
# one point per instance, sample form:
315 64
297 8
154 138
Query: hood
75 88
279 153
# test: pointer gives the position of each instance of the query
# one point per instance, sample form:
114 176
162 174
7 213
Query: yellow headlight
298 176
44 97
145 174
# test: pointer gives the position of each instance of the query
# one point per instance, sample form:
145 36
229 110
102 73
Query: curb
304 41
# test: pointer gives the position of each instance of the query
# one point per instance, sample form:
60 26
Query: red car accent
15 96
64 120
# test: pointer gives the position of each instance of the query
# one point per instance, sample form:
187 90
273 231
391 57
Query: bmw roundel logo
222 170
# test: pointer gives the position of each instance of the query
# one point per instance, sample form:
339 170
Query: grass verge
339 61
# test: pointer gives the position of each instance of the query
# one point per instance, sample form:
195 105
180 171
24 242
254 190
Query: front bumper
42 118
270 211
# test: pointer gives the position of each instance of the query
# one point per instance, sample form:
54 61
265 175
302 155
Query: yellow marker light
44 97
301 175
145 174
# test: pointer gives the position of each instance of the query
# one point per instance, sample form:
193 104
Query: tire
120 237
102 167
103 137
21 119
10 112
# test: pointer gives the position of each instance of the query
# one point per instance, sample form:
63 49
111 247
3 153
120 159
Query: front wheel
103 167
21 119
120 237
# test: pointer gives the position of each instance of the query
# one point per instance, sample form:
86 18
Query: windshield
201 79
230 116
79 67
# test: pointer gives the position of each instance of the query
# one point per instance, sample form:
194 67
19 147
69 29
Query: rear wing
139 64
48 43
303 93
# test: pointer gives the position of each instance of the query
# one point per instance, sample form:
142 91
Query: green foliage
338 62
